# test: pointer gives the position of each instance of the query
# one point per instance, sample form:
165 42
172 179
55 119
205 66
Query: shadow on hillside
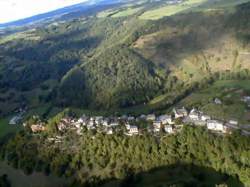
183 35
177 175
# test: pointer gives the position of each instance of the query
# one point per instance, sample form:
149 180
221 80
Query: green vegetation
95 157
169 10
189 6
118 77
230 92
137 58
120 12
6 129
114 63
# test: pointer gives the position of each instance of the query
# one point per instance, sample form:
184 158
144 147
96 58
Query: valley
85 83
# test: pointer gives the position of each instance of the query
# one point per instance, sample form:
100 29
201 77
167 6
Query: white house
90 126
91 123
114 124
66 120
133 130
78 125
215 125
82 120
194 114
127 125
98 120
217 101
233 122
150 117
131 118
109 131
205 117
105 122
79 132
246 99
169 129
62 126
166 119
179 113
157 126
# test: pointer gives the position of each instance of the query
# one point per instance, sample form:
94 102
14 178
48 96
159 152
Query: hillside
127 93
116 59
118 77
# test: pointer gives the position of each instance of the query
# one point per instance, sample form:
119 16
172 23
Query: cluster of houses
198 118
99 123
129 125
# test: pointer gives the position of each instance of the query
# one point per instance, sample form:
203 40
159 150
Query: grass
6 129
169 10
188 6
215 4
126 12
19 35
106 13
229 92
123 12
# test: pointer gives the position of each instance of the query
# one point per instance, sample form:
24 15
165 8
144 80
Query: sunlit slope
188 6
197 44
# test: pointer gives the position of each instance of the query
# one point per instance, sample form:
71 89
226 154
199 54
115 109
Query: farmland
189 6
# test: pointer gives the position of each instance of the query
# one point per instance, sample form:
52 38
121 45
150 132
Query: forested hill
117 77
126 55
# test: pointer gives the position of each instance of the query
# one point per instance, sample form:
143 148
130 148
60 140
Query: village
166 124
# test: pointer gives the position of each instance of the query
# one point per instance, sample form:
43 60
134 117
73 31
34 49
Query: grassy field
230 92
169 10
119 12
20 35
221 4
127 12
188 6
5 128
44 110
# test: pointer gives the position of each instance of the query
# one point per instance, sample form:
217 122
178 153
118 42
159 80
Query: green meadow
229 92
189 6
5 128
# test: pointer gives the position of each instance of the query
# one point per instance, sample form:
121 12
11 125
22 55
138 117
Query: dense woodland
98 58
118 77
118 156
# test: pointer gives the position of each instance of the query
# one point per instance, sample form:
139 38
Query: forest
119 62
120 157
